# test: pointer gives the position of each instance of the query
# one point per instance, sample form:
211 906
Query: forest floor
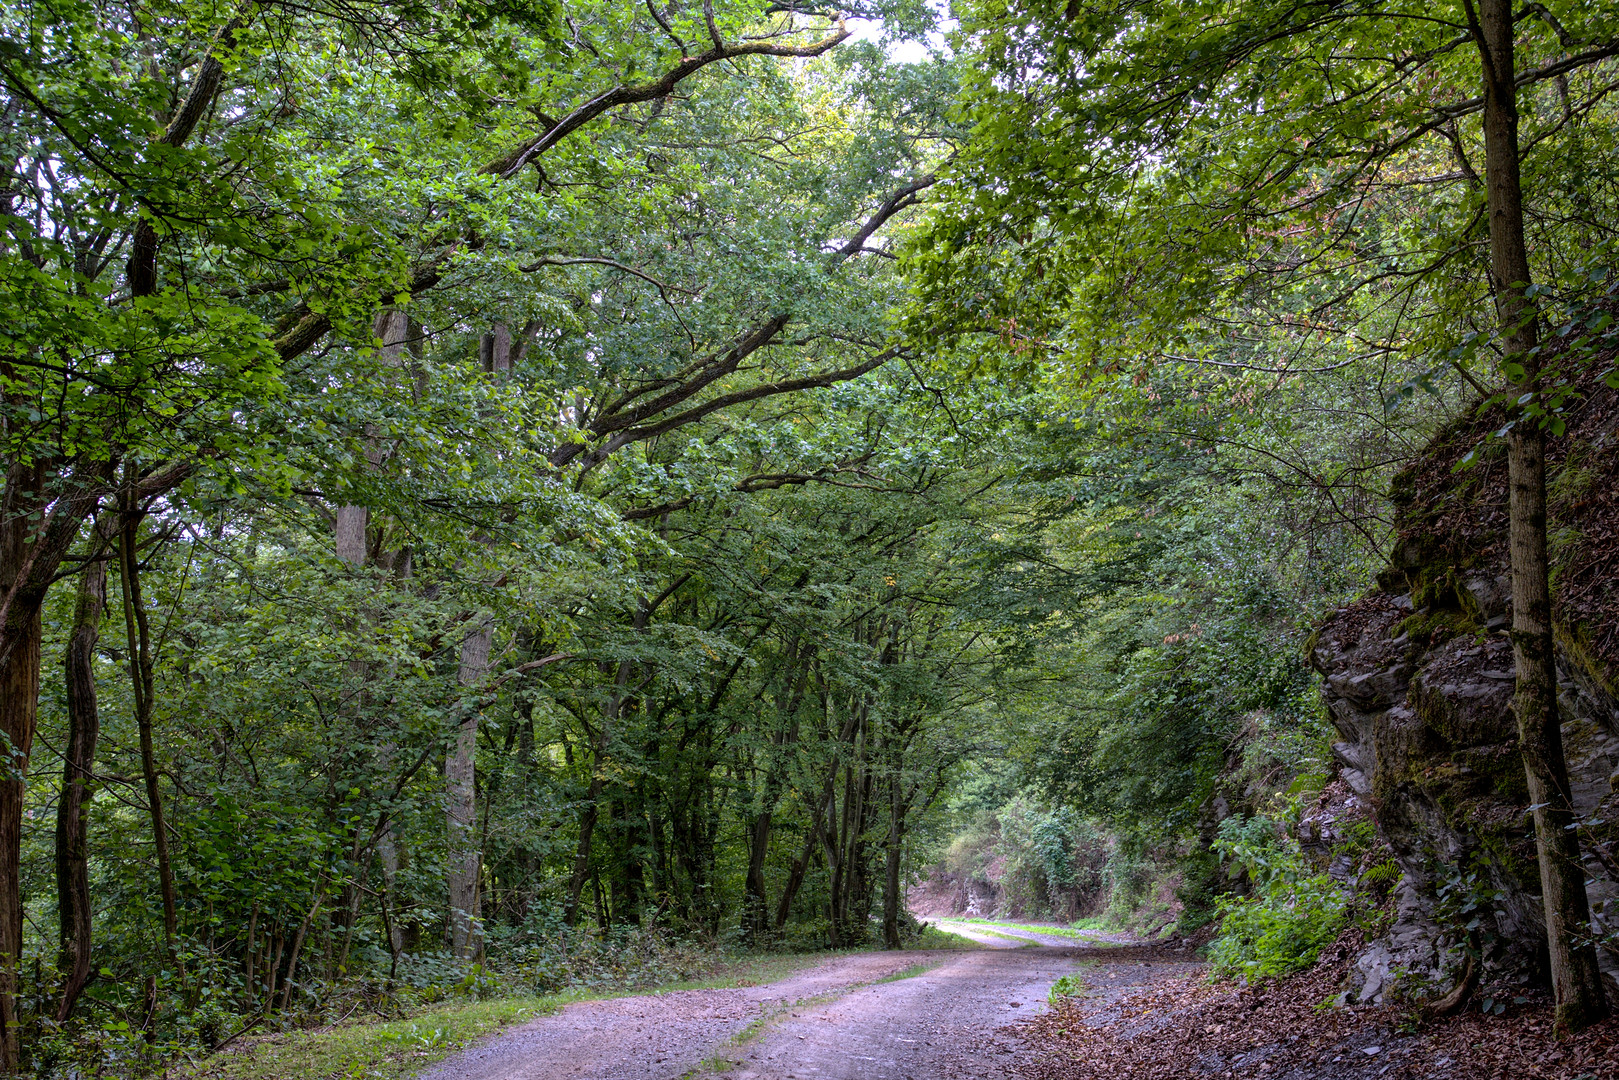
1184 1026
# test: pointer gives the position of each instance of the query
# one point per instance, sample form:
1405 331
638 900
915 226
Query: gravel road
871 1016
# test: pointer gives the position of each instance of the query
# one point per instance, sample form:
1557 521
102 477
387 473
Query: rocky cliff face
1419 682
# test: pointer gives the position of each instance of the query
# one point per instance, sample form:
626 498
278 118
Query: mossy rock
1460 704
1575 641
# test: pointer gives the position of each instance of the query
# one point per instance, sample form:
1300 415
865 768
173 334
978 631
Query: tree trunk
72 808
581 857
35 533
460 781
891 867
139 647
587 823
1576 978
250 954
19 700
795 877
297 948
755 917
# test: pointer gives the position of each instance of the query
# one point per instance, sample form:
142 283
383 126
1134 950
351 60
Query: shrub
1293 913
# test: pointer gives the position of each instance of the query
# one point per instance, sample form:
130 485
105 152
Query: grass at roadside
933 938
1077 933
985 928
395 1049
748 971
388 1050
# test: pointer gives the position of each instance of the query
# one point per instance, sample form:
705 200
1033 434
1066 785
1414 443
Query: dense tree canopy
480 471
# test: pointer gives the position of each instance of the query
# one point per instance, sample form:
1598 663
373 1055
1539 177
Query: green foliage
1292 914
1069 986
548 956
1047 863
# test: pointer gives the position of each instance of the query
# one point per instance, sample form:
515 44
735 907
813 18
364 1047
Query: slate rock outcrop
1419 681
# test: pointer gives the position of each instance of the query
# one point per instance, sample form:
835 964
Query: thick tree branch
648 91
692 415
899 200
756 339
141 270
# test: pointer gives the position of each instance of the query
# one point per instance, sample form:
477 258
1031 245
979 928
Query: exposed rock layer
1419 684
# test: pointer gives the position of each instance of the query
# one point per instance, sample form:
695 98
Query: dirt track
836 1021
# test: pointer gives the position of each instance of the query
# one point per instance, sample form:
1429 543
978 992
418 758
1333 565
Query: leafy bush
553 957
1292 914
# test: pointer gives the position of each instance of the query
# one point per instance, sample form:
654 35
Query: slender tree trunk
581 857
250 951
297 949
891 867
756 908
755 905
795 876
587 822
72 808
461 804
388 857
139 647
1576 979
273 969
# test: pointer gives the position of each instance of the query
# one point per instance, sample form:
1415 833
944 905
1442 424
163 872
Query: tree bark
142 682
36 531
891 867
72 808
1576 979
460 781
19 700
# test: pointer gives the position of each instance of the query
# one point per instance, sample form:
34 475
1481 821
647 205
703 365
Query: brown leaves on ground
1184 1027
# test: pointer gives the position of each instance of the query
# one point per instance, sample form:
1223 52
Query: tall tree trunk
1576 978
72 808
461 803
36 531
891 868
142 682
351 545
581 857
19 699
756 909
755 913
